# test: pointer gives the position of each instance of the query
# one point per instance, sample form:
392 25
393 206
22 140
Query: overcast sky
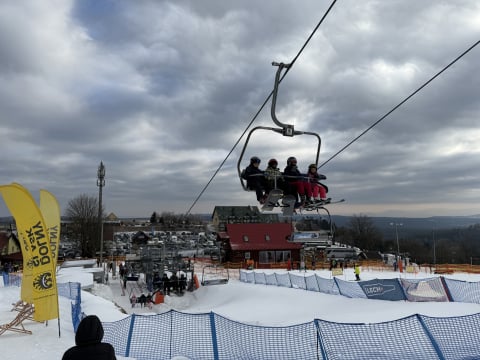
161 91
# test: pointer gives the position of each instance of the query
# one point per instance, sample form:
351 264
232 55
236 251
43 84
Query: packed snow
236 300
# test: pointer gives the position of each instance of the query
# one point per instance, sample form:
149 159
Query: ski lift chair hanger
284 129
331 235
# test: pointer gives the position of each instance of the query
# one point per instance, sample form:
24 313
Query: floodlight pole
398 244
100 184
434 243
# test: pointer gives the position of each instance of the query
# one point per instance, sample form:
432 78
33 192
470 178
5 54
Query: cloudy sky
161 91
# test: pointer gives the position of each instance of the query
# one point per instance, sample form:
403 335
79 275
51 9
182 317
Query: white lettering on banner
377 289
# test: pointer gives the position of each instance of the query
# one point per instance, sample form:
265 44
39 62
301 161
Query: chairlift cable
261 108
400 104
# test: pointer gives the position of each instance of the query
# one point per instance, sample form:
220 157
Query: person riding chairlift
319 190
256 179
296 182
273 176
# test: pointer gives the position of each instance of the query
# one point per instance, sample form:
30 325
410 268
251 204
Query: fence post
129 337
430 336
316 280
319 340
447 290
214 335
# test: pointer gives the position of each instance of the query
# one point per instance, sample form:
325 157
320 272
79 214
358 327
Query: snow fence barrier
72 291
212 336
439 289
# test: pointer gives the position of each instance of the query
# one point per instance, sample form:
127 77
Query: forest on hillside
456 245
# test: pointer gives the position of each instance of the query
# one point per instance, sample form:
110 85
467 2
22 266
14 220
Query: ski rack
284 129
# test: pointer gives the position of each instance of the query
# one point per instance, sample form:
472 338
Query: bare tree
153 218
364 233
83 212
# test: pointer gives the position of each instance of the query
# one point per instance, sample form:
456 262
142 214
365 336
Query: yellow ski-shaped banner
30 223
51 214
26 291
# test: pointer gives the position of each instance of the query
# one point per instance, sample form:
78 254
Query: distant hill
407 226
430 223
382 223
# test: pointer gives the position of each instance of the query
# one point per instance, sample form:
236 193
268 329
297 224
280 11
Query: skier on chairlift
319 190
296 182
273 176
256 179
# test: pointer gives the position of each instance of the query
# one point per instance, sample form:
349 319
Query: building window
266 257
267 237
245 238
282 256
272 257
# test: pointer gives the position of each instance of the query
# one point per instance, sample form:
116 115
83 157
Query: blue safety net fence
10 279
438 289
212 336
72 291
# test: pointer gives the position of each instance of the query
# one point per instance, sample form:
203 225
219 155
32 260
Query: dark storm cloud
160 91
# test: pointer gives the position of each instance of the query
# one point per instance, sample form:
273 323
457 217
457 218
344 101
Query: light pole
434 243
100 184
398 244
434 249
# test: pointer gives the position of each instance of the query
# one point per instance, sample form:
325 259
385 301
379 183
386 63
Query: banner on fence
383 289
337 271
411 269
424 289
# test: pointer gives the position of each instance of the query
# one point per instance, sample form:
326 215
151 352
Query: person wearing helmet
296 183
319 190
273 176
256 179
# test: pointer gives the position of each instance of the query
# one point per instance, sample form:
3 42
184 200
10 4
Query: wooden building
10 250
266 244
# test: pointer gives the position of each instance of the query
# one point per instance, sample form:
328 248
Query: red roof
271 236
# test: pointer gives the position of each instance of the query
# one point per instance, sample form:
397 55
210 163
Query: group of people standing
172 283
143 300
306 187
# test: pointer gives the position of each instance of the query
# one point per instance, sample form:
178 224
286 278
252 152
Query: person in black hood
255 179
88 340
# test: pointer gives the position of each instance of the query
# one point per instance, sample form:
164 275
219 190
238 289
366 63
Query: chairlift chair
217 280
331 233
283 129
